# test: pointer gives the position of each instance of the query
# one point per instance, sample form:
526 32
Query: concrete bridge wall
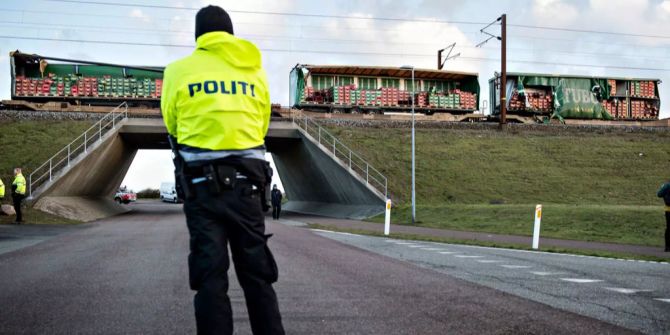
314 182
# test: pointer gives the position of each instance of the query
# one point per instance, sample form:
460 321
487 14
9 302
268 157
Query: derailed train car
62 83
543 97
378 90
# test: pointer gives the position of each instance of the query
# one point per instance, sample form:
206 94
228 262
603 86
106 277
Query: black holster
181 185
259 173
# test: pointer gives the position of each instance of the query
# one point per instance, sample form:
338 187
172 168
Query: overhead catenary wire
479 59
349 17
301 26
192 22
123 30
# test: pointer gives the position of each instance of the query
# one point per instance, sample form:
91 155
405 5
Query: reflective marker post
536 229
387 220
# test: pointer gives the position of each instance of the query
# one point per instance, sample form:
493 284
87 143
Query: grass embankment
595 186
28 144
34 216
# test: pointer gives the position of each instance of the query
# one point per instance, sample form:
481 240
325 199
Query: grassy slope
28 144
595 186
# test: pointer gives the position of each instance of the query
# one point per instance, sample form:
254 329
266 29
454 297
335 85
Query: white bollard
536 229
387 220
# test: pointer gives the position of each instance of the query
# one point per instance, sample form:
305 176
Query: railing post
334 152
349 159
319 135
367 173
70 152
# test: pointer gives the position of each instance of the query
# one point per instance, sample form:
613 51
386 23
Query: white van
168 192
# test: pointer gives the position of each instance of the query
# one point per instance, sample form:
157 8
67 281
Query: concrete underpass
314 181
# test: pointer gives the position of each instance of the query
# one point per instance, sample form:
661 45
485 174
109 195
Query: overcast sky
355 36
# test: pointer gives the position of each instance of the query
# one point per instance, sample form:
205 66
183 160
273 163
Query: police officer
18 193
276 202
664 192
216 104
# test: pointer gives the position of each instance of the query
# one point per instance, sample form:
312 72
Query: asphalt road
127 275
632 294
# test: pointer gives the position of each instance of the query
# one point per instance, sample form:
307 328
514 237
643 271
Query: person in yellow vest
2 189
216 108
18 193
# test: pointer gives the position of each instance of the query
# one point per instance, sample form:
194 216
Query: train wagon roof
380 71
552 75
34 58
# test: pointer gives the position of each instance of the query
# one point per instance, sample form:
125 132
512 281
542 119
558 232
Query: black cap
212 18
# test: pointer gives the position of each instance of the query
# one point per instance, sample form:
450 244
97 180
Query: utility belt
220 175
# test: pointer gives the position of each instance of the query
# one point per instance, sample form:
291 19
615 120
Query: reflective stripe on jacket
217 98
20 183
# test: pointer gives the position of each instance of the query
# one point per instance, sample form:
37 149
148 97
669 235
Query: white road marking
625 290
447 252
414 246
499 249
431 249
516 266
581 280
468 256
664 300
540 273
336 232
536 252
488 261
404 243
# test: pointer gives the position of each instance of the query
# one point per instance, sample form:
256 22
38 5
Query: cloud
139 14
664 10
559 13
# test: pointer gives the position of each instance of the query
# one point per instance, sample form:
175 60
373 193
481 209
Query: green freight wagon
39 80
545 97
374 89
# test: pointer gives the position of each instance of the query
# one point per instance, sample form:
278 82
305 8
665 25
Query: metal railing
80 145
341 152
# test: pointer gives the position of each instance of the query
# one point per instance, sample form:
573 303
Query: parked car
169 193
125 196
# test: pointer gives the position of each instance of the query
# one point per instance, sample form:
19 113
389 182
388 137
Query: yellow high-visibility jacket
217 98
2 189
20 183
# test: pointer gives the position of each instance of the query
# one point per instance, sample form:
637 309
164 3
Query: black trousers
667 231
276 210
18 198
235 217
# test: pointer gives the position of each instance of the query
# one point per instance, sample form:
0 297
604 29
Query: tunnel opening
152 170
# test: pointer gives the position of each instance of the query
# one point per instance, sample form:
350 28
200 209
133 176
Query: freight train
48 83
378 90
54 84
544 96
